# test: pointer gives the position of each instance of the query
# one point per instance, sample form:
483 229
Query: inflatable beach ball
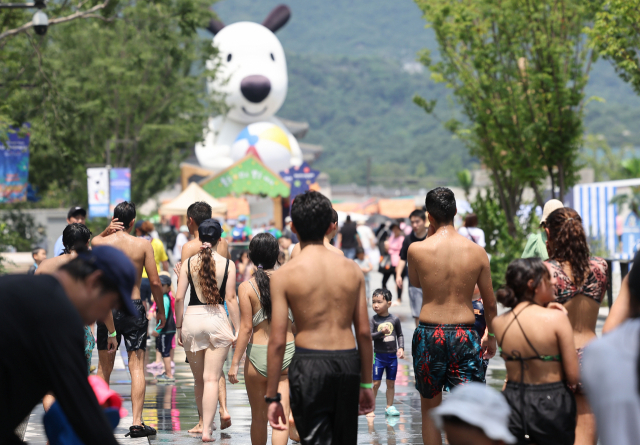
266 141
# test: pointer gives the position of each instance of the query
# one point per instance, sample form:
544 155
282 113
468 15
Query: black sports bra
193 298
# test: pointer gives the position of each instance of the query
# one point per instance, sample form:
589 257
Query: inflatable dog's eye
228 57
273 58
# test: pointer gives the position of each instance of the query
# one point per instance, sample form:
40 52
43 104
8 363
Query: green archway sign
247 176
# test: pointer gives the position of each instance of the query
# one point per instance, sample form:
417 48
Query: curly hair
517 289
207 277
568 242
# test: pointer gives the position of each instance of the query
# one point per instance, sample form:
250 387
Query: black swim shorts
547 417
163 344
132 328
444 356
325 392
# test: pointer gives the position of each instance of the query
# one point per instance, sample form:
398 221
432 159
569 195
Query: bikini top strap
525 335
515 318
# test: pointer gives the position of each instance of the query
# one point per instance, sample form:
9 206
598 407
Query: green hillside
348 78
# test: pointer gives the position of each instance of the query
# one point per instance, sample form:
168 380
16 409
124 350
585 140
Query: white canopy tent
193 193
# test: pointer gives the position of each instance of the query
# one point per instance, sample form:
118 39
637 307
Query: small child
38 255
388 346
164 341
365 266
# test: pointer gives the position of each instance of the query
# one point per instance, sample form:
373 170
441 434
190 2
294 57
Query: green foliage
519 72
20 231
501 245
137 79
598 154
615 34
465 179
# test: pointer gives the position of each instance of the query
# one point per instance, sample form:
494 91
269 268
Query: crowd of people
296 305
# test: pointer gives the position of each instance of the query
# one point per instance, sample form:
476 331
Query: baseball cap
480 406
184 228
210 230
287 220
242 218
73 211
549 207
138 224
118 269
165 279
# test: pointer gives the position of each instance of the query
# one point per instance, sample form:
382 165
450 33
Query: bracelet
491 334
366 385
178 327
113 334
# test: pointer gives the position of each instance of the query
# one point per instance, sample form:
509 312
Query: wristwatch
277 398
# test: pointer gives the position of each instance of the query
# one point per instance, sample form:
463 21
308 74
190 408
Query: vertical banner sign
299 178
120 189
14 166
98 189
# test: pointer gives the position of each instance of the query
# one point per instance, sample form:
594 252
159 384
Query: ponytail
207 276
264 287
263 252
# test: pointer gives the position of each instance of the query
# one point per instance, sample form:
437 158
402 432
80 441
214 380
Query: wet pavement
171 409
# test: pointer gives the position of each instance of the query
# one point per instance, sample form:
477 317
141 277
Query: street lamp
40 19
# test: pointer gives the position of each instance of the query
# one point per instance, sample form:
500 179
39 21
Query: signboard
299 178
120 186
98 189
14 166
247 176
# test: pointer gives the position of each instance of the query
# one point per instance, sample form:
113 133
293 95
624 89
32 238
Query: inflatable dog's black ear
215 26
277 18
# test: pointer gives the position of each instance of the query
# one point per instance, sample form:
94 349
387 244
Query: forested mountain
352 74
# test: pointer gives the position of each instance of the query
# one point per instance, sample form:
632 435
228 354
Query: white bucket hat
480 406
549 207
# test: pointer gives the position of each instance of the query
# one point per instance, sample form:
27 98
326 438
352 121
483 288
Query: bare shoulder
190 249
295 251
334 249
51 265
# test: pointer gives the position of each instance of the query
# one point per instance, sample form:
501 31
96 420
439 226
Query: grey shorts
415 301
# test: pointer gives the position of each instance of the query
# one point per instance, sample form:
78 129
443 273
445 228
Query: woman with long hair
205 332
580 287
255 327
536 342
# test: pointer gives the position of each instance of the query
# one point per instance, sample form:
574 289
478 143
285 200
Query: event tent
191 194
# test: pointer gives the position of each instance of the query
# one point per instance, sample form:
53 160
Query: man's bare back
51 265
447 266
326 301
139 251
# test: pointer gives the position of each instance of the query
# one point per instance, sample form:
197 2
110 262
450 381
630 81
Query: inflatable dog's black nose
255 88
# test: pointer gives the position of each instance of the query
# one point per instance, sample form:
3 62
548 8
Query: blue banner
299 178
14 165
120 186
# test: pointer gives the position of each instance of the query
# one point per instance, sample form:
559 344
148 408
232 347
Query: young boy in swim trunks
388 346
446 347
328 376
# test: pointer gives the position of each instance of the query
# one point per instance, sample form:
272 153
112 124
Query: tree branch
89 13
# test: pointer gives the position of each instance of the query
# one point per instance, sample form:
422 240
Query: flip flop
140 431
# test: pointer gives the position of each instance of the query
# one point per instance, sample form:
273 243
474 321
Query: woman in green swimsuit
255 327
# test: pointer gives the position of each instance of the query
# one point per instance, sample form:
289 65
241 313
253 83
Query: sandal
140 431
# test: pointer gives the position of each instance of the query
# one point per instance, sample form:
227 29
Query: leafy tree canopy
132 80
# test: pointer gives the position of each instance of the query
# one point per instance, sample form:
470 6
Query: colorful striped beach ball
266 141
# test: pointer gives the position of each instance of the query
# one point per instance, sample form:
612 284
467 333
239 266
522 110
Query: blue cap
242 218
118 269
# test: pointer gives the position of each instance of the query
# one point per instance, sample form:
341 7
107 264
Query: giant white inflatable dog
253 76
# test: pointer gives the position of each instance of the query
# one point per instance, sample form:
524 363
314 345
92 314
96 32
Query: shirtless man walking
331 233
326 292
446 347
132 328
196 214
